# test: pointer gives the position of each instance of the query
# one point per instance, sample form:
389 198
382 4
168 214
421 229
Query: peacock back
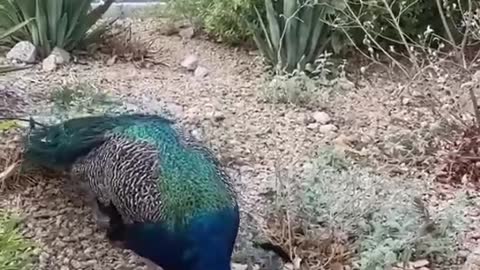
156 173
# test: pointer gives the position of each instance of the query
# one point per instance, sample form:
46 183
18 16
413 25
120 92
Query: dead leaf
9 171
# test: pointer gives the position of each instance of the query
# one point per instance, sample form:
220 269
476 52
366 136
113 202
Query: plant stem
413 59
449 33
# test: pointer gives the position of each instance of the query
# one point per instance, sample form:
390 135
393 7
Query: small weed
80 99
311 88
15 252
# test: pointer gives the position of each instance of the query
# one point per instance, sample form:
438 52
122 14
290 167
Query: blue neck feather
206 243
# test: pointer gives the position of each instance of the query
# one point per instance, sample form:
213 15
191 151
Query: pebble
321 117
201 72
328 128
190 62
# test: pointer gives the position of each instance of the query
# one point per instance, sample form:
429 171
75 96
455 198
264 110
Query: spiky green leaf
43 30
290 11
61 23
14 29
273 24
264 45
296 33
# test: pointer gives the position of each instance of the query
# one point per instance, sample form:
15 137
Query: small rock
197 134
201 72
420 263
61 56
49 64
187 33
321 117
328 128
218 116
307 119
57 57
312 126
23 51
190 62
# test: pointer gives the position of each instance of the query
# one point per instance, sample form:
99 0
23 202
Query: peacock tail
168 189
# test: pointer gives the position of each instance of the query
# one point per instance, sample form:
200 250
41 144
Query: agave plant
297 32
67 24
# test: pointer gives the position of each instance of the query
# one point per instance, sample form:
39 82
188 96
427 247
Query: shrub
224 19
67 24
15 252
312 90
357 217
417 29
413 16
295 33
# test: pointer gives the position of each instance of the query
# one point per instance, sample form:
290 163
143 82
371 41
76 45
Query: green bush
383 221
224 19
295 33
15 252
67 24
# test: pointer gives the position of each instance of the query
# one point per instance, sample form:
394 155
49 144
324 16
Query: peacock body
167 196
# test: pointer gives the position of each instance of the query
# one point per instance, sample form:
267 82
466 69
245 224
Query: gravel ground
223 109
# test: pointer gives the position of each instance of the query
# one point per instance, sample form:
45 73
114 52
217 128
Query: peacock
167 197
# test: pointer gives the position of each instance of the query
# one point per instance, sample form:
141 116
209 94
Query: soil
225 110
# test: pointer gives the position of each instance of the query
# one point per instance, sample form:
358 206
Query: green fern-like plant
295 32
67 24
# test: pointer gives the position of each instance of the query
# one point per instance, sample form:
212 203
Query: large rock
23 51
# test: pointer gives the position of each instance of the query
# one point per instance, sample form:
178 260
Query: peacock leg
101 219
115 227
